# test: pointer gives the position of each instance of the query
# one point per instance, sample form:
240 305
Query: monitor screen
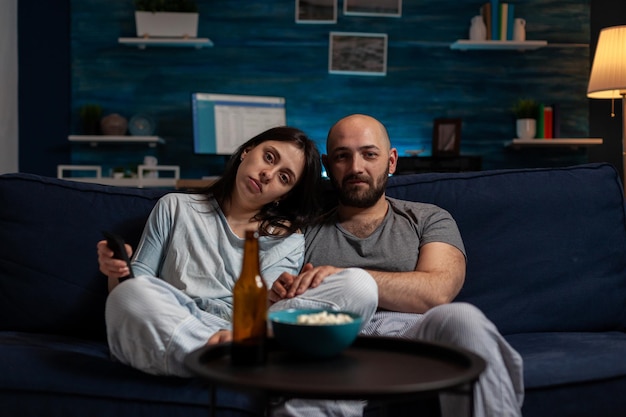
222 122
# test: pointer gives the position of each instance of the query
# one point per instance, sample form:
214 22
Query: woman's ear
244 153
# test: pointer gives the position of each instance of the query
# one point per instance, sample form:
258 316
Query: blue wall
260 50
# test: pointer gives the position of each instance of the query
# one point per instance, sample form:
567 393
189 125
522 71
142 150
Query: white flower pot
526 128
166 24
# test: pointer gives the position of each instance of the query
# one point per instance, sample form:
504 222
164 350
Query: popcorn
324 318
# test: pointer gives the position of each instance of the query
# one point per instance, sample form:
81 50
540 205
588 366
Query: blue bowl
317 340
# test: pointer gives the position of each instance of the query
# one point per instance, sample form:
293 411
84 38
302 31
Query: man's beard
353 196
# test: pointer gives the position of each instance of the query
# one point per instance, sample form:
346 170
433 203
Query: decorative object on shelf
608 75
151 161
141 125
446 137
519 30
525 111
174 18
114 124
90 115
478 29
118 172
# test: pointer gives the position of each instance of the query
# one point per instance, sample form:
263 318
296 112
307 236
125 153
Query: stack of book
498 17
548 121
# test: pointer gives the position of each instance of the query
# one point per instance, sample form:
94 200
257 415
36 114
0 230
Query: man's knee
358 281
454 322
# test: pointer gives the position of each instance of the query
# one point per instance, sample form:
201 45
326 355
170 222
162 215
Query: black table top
373 367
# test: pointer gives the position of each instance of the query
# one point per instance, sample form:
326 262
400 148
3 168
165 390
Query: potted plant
118 172
166 18
526 112
90 115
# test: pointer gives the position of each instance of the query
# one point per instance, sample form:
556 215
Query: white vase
166 24
526 128
478 30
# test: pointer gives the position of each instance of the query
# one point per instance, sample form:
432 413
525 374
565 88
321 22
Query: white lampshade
608 72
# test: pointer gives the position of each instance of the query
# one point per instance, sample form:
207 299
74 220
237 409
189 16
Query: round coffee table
372 368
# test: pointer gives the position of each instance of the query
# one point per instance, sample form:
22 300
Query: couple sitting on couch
401 263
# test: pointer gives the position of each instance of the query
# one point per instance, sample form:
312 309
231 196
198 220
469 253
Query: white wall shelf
573 143
147 176
129 182
142 43
94 140
466 45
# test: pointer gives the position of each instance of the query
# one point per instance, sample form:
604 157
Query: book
485 11
556 120
547 122
503 17
495 24
540 122
510 22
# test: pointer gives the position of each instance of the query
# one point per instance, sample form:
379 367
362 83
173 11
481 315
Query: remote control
116 244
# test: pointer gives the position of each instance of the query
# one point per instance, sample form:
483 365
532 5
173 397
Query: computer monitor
222 122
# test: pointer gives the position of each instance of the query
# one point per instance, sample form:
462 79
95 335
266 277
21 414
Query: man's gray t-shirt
393 246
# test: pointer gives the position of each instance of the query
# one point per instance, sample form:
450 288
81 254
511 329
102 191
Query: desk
372 368
422 164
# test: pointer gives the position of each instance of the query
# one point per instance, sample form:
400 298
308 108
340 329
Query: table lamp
608 74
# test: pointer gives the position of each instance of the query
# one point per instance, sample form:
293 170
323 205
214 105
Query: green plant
526 109
186 6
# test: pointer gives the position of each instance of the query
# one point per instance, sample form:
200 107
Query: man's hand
221 336
289 286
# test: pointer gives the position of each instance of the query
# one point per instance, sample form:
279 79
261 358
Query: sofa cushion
546 247
559 358
52 368
49 278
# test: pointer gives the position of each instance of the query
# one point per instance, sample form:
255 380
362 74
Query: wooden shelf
573 143
94 140
142 43
466 45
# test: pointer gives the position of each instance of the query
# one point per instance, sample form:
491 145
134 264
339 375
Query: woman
190 253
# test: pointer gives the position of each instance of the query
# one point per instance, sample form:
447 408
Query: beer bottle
249 308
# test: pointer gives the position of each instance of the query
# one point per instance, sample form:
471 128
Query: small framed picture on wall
446 137
357 53
390 8
316 11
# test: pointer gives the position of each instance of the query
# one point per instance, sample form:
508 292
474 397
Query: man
414 253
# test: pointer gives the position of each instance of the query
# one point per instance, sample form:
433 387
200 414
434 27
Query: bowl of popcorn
315 332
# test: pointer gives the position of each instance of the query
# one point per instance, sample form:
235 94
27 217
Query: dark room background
259 49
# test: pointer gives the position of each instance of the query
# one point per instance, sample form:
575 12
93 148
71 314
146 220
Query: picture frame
316 11
446 137
388 8
357 53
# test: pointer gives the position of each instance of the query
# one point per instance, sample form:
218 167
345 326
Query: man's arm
437 279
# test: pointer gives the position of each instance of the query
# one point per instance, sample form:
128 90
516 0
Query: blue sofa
546 262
